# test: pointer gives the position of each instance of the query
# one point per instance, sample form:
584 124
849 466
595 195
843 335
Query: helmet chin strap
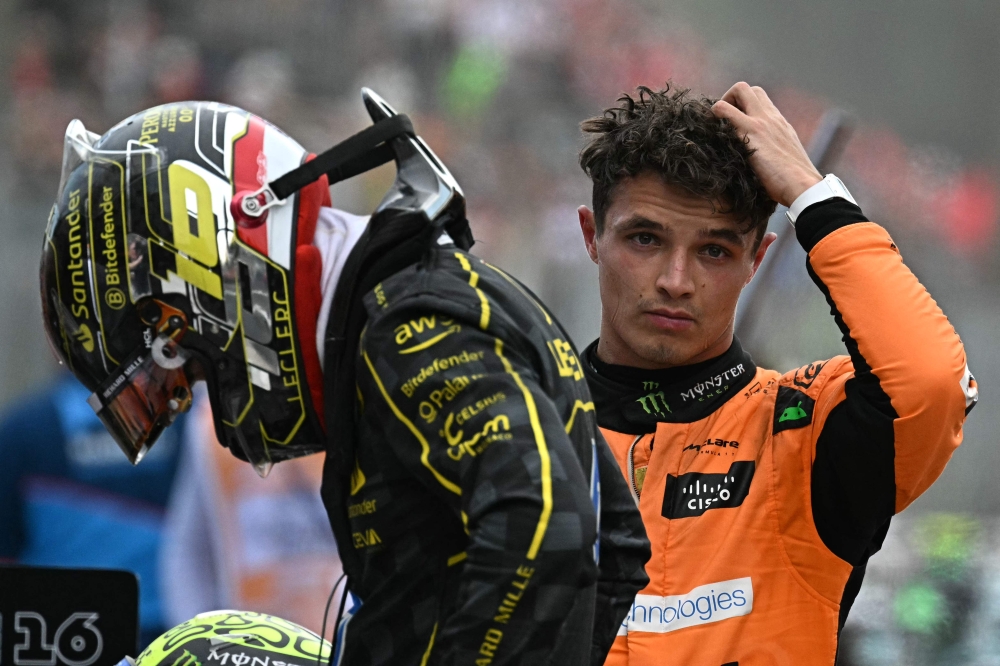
366 150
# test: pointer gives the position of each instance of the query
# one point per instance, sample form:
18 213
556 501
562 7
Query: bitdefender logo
695 493
702 605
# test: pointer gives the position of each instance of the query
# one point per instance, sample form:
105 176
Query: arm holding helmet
497 453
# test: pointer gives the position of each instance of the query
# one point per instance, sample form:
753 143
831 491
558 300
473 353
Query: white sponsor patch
702 605
970 388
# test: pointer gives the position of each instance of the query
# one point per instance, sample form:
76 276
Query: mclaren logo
85 338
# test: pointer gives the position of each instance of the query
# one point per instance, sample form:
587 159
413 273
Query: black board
67 617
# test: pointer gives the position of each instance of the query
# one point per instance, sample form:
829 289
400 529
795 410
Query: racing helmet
234 638
180 249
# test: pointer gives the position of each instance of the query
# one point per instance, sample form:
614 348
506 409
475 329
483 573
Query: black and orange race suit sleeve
624 551
888 419
468 417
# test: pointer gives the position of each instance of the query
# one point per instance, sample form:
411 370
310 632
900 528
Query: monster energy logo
650 400
713 385
186 659
242 658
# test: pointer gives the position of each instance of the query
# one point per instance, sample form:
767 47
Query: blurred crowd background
498 88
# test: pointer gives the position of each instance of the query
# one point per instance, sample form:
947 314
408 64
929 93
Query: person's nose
676 279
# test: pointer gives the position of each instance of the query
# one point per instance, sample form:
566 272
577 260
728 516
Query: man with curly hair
763 494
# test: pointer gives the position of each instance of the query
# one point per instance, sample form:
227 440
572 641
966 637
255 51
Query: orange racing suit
764 494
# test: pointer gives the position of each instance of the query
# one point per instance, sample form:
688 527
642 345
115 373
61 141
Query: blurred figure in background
69 498
235 540
930 598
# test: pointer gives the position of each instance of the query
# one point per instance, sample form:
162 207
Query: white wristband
828 188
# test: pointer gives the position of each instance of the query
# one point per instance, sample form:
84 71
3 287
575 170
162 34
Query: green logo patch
792 409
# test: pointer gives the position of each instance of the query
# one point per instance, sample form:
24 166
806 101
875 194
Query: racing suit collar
633 400
337 232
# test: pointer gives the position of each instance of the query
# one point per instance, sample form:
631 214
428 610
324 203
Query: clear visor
79 149
143 396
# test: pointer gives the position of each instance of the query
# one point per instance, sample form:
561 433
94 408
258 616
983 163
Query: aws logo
84 338
414 327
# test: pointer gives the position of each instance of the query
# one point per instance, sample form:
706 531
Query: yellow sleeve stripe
524 293
578 406
543 454
459 557
424 445
427 654
484 318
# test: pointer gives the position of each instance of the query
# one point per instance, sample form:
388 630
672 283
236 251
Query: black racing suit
471 506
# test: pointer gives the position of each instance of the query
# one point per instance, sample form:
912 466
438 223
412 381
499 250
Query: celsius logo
702 605
695 493
85 338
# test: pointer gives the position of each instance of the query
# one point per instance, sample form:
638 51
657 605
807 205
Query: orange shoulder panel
906 340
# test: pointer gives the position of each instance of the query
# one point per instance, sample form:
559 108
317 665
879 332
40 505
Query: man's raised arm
893 417
501 461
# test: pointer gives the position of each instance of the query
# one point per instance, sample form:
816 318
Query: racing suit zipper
631 470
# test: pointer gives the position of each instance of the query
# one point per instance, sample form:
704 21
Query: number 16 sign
67 617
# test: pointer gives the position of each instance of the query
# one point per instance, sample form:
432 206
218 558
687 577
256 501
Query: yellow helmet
234 638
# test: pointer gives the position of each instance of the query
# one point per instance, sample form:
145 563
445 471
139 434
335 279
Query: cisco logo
695 493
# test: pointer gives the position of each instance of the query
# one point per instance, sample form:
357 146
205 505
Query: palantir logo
702 605
695 493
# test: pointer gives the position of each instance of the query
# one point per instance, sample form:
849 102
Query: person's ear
588 225
758 257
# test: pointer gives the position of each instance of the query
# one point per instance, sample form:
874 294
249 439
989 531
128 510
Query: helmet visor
143 396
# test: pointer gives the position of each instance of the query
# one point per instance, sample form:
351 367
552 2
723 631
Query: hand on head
779 160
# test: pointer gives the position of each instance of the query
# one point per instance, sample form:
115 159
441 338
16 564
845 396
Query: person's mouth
667 319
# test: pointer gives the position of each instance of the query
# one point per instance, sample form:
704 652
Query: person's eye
644 239
715 251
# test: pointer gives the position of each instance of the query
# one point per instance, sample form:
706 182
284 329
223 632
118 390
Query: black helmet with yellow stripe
180 248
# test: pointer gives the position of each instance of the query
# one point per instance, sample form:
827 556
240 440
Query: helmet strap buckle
249 209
